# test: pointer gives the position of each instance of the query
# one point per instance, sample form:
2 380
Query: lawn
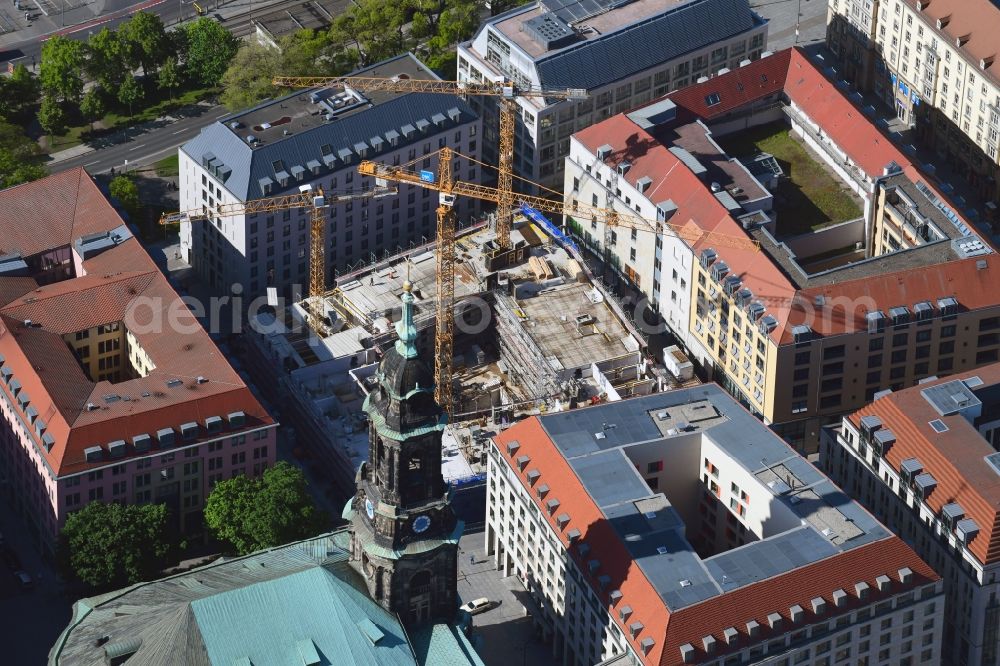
807 197
117 118
168 166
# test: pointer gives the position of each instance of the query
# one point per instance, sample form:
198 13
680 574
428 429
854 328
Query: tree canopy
247 81
20 157
115 544
18 95
126 192
210 47
62 63
146 42
256 513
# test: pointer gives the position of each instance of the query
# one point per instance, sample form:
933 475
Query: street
811 22
33 618
146 143
503 636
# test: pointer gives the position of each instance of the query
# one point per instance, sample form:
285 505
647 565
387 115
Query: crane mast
316 201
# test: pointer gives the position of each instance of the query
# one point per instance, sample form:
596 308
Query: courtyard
808 196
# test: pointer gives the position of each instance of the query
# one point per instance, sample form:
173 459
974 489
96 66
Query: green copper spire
407 343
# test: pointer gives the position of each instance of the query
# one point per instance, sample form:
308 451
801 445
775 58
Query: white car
477 606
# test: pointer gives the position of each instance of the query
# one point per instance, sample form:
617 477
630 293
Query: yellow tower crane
306 197
507 91
450 189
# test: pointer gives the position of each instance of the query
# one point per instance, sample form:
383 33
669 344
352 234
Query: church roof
296 604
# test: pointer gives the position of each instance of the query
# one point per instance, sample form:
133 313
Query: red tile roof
971 281
955 458
671 630
975 20
863 143
760 79
696 205
120 284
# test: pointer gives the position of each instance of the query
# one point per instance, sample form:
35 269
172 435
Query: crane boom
610 217
304 198
507 91
376 84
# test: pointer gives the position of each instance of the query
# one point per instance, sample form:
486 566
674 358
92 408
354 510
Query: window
654 467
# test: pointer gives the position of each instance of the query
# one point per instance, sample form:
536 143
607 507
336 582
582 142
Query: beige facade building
677 529
924 461
798 341
932 61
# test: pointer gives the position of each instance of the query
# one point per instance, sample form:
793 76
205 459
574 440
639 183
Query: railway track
293 15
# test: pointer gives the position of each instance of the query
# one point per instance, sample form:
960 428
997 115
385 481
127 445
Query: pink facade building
110 389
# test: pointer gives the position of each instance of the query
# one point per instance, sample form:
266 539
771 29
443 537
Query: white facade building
318 138
924 461
675 528
623 53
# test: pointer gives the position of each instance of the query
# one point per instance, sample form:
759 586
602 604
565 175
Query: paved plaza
503 636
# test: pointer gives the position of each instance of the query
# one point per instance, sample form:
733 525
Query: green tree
315 53
145 41
252 514
62 68
210 48
18 95
107 63
126 192
248 79
500 6
129 93
457 22
375 27
92 108
115 544
20 157
52 116
169 77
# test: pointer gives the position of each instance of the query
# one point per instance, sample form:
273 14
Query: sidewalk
504 635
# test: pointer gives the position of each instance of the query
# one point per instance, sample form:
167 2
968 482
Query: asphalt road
145 144
21 40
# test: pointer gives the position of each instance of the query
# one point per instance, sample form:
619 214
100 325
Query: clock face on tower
421 523
369 509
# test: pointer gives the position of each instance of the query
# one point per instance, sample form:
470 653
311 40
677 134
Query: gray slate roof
251 165
688 27
264 608
652 529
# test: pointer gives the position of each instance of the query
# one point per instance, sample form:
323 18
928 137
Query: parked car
24 579
477 606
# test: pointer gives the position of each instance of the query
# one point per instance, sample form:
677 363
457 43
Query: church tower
404 533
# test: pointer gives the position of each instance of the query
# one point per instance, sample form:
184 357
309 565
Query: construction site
534 333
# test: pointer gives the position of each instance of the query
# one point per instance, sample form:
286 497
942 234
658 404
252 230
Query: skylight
938 425
713 99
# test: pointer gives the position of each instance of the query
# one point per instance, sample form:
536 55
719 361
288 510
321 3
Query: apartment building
110 390
924 460
800 336
316 138
932 62
676 528
606 48
851 28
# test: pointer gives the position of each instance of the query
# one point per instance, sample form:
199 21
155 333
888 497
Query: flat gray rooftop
929 254
950 397
302 113
595 443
